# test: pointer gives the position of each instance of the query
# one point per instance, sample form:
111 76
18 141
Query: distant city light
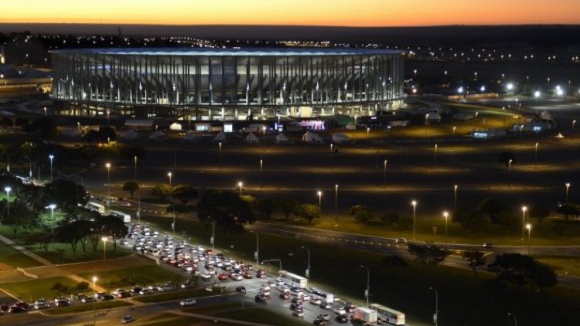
510 86
537 94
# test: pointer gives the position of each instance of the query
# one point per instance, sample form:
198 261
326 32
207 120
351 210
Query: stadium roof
228 52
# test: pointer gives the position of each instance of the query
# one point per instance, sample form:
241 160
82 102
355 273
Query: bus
96 207
391 316
293 279
126 217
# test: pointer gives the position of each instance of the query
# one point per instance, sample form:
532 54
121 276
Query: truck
364 315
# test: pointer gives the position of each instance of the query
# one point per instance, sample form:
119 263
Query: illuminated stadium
227 84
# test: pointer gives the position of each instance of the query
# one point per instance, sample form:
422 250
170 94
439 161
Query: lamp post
212 239
529 228
445 215
319 193
135 159
332 156
108 165
241 185
170 175
29 168
536 155
524 209
435 155
52 207
368 289
455 197
257 254
385 174
336 201
7 189
261 168
220 154
95 291
515 318
307 272
567 191
51 157
104 248
414 204
435 315
573 125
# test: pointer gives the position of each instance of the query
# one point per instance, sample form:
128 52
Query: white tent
339 138
157 135
311 137
220 137
129 134
252 139
281 138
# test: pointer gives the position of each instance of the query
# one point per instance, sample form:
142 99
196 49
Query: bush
390 218
406 223
83 285
59 287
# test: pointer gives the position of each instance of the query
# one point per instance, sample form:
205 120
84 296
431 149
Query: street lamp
573 124
220 154
536 155
257 254
319 193
108 165
29 168
170 175
51 157
212 239
367 291
135 159
435 155
414 204
52 207
446 215
529 228
567 191
336 201
307 273
241 185
524 209
455 197
435 315
7 189
95 291
104 247
515 318
261 168
385 174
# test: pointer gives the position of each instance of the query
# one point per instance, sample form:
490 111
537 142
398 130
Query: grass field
15 258
147 275
43 288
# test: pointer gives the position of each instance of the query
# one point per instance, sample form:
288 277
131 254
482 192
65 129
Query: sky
363 13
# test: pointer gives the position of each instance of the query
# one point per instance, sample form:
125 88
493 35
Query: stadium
204 84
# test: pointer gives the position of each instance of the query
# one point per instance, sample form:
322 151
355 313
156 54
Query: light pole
51 157
135 159
336 201
573 125
455 197
220 154
7 189
212 239
435 155
414 204
436 305
241 185
515 318
454 128
52 207
385 174
307 273
524 209
536 155
104 248
368 289
261 168
319 193
29 168
446 215
529 228
108 165
332 156
567 191
95 291
257 254
170 175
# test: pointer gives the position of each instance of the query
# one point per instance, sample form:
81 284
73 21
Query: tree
363 216
356 208
161 191
394 261
475 259
65 194
131 187
539 212
226 208
568 209
20 216
307 211
471 220
265 207
185 193
521 270
286 205
430 255
390 218
114 227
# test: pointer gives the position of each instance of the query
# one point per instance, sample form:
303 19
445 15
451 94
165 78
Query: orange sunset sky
293 12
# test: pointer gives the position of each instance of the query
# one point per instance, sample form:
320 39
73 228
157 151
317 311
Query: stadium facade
227 84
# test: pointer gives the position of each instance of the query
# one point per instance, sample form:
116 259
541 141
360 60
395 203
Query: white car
188 302
340 311
127 319
316 301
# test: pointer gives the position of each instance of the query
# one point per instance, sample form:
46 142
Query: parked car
241 289
127 319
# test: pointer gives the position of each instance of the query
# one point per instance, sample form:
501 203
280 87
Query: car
187 285
401 240
488 245
298 313
284 296
325 305
41 304
340 311
342 319
296 306
265 293
320 322
323 317
127 319
187 302
260 298
316 301
61 302
223 276
88 299
241 289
